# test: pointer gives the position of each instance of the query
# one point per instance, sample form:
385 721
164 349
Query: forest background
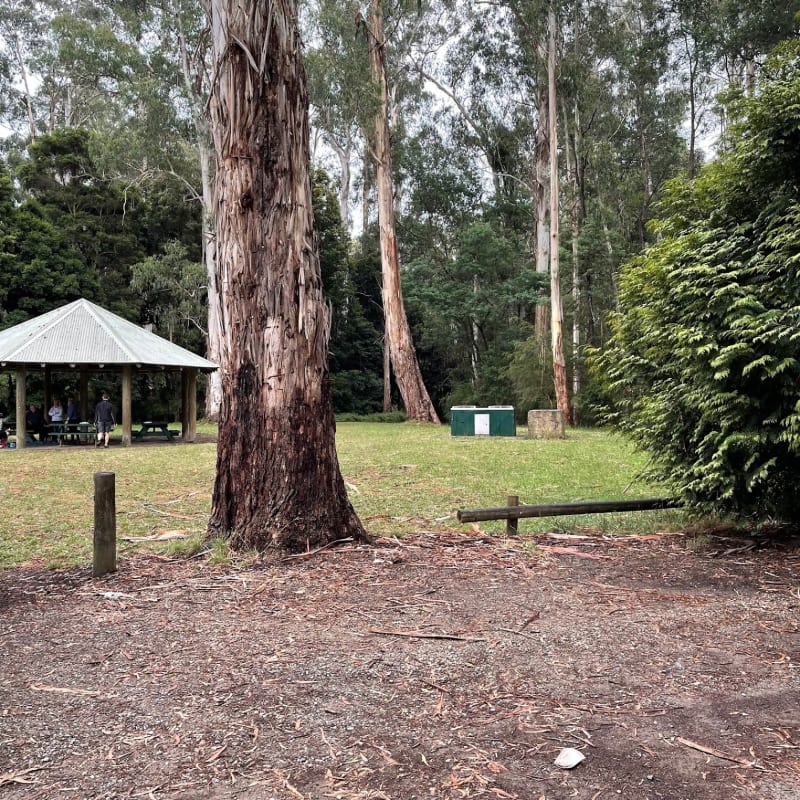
105 171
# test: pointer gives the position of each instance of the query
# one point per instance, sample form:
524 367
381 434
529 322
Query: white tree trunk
556 309
344 154
542 210
25 85
215 337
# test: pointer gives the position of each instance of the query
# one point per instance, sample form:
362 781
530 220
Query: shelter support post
189 404
84 395
48 391
21 378
127 391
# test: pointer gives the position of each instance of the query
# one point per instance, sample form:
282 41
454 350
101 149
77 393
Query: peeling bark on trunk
556 310
407 374
572 148
215 336
542 210
278 479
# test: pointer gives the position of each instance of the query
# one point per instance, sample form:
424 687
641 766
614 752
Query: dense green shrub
378 416
703 364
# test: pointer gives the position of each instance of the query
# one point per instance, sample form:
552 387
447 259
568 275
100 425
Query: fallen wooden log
565 509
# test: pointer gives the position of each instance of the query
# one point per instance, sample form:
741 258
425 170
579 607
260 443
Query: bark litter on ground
443 666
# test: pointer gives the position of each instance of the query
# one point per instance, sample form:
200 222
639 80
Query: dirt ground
444 666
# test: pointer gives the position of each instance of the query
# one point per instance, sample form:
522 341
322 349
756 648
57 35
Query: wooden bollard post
105 524
512 524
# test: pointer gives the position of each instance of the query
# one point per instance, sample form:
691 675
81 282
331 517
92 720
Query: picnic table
76 432
155 429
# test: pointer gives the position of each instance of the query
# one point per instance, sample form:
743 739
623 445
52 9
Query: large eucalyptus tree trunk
407 373
556 307
278 479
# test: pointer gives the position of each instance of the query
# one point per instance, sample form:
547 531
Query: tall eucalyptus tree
189 23
23 30
556 306
278 480
338 77
354 102
407 373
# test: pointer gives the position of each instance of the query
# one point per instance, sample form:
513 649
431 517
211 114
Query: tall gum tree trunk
365 190
278 479
407 374
26 86
192 83
572 152
556 308
215 336
542 211
387 375
344 154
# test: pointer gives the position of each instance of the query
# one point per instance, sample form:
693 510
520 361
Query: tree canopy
104 114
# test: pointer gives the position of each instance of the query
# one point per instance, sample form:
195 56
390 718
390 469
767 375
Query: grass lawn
401 477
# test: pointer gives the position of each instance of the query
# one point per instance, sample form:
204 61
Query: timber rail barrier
513 511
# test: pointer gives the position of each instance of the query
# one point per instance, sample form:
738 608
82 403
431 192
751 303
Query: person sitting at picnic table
34 422
104 421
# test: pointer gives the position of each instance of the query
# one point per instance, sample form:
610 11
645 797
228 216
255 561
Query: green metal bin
474 421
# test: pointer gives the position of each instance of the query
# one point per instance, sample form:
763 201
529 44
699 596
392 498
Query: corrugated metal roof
84 334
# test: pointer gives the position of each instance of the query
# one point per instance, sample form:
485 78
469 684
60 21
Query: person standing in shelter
73 412
73 418
56 412
104 421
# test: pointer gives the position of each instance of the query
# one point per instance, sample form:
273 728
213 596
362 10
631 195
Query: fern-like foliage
704 363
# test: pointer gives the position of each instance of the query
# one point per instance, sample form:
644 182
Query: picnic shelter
85 339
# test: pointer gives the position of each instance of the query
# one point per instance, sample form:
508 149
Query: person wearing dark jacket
73 412
104 421
34 422
73 418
